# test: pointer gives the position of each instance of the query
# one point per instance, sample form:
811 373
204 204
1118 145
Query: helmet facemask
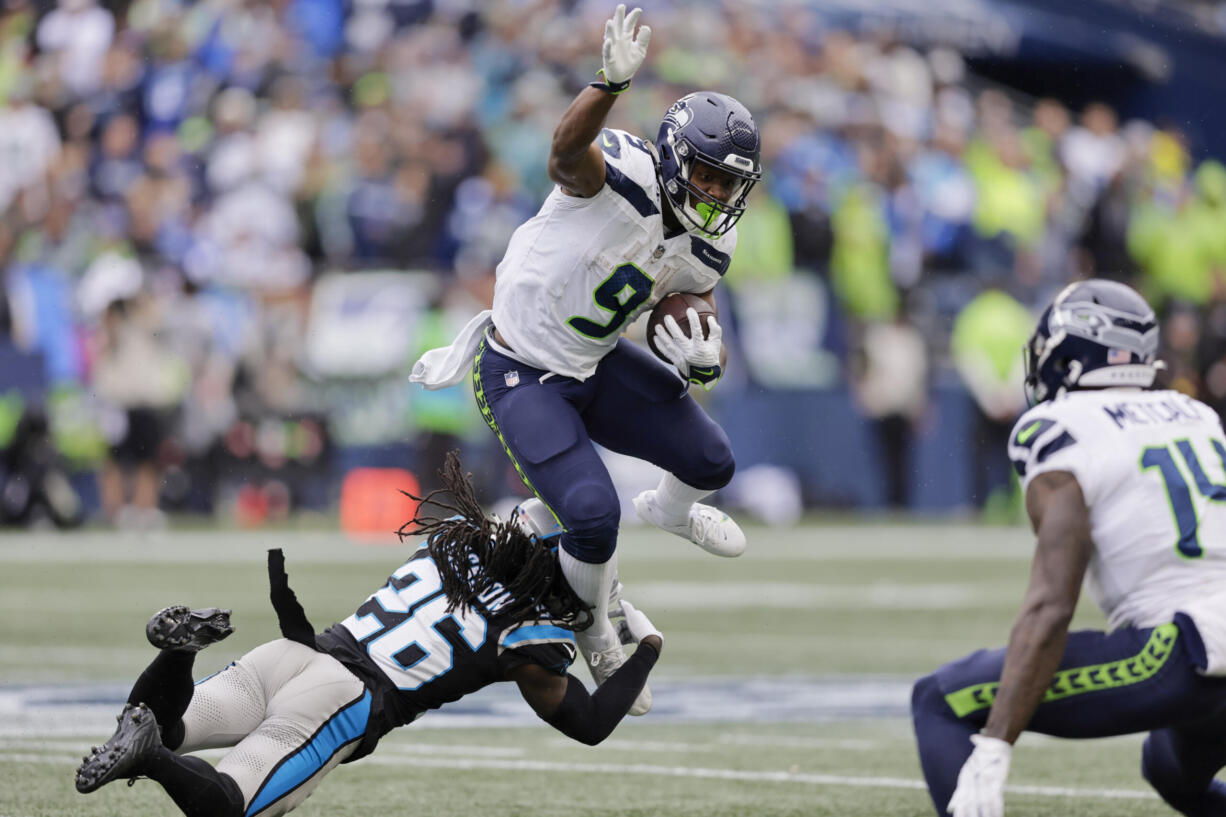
699 212
1033 354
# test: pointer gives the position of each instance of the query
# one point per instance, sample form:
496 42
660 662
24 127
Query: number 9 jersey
578 272
1152 468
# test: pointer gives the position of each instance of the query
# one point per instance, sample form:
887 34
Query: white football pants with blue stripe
291 714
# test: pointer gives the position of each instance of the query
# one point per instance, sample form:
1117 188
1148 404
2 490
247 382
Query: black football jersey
414 654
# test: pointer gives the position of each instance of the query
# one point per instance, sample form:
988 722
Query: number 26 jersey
414 654
580 270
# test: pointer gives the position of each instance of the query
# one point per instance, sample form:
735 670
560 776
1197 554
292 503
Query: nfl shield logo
511 378
1115 356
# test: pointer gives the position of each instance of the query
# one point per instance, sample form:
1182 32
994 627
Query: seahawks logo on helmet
1094 335
679 114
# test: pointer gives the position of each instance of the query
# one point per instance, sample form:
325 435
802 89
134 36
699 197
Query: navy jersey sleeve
537 642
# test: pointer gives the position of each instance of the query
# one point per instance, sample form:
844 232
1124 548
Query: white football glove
638 623
981 783
622 52
696 358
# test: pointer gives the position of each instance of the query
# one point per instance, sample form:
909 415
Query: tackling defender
1125 486
482 601
628 223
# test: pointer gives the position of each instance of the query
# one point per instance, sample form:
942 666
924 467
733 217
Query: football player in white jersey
1126 488
481 601
629 222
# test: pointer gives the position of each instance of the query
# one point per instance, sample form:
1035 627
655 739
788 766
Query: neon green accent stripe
1028 432
488 414
1078 680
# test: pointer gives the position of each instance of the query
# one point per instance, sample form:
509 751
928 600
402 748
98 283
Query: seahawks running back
1125 487
481 601
629 222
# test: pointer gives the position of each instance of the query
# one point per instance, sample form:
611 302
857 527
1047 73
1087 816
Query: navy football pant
633 404
1130 680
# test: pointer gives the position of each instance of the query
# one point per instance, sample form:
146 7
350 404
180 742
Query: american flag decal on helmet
1115 356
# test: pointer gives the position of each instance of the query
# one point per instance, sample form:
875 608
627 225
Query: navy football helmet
1095 334
715 130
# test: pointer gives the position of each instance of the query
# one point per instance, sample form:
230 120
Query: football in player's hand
677 305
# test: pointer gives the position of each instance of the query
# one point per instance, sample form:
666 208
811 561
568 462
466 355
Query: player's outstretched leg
124 755
674 507
182 628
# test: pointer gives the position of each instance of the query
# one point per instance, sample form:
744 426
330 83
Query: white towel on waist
448 365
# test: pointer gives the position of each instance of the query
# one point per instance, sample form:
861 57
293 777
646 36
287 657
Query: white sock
674 499
592 583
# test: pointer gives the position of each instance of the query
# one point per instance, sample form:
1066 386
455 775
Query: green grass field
782 689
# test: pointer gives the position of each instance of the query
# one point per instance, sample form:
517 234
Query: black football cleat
182 628
136 737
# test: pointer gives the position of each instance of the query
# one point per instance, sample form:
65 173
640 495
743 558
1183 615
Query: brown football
677 304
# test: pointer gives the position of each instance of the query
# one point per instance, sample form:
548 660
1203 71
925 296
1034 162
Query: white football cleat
709 528
603 663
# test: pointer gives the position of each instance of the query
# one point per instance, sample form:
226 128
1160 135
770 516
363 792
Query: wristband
704 376
613 88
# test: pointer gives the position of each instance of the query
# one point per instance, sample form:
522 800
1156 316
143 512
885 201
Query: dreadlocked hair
478 556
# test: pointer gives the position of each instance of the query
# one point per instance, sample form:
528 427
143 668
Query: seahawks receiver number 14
1126 487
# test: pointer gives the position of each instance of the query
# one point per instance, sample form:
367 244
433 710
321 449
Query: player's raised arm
1062 526
564 703
575 160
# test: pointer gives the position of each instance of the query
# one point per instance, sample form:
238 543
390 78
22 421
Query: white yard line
451 749
724 741
652 770
795 742
734 774
812 542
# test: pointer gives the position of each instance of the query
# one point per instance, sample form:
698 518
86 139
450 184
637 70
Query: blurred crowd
178 177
